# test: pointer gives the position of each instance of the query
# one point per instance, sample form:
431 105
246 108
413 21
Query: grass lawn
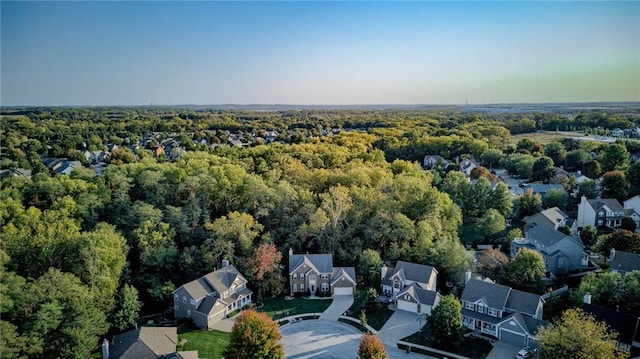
279 307
375 319
209 343
470 347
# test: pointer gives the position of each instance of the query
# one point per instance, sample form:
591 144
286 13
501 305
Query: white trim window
324 276
192 302
324 287
302 287
301 276
295 276
184 299
295 287
468 305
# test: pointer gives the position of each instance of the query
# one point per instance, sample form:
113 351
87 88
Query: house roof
530 324
550 217
612 203
323 263
624 261
197 288
544 188
146 342
495 295
625 324
412 271
523 302
347 272
222 279
548 236
422 295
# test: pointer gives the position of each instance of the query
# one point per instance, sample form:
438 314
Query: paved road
400 325
320 339
502 350
339 305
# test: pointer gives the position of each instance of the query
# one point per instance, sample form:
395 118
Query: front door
312 283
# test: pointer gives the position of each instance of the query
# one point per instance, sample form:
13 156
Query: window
324 276
468 305
295 275
302 287
176 298
184 299
480 308
406 297
192 302
493 312
324 287
301 276
188 312
295 287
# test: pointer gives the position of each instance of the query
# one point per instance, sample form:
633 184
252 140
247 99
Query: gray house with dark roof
553 218
606 212
412 286
315 273
146 343
562 253
623 262
210 298
501 312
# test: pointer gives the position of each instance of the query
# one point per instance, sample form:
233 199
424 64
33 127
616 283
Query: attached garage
343 291
514 338
408 306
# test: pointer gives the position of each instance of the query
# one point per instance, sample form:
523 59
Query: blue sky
137 53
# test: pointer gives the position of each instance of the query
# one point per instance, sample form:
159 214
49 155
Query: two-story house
501 312
315 274
562 253
412 286
600 213
210 298
625 325
553 218
146 343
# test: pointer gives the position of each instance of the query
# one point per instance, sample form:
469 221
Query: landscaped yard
279 307
471 347
209 343
375 319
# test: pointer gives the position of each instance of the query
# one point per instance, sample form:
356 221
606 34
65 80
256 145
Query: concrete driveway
503 350
225 325
339 305
320 339
400 325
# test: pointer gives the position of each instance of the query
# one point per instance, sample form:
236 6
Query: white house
412 286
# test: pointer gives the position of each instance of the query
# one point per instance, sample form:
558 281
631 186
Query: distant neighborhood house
315 274
412 286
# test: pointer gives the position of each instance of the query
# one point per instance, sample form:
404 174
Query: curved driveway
320 339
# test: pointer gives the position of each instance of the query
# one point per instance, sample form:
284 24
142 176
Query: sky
318 53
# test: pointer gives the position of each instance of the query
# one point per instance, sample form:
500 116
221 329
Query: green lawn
209 343
280 307
375 319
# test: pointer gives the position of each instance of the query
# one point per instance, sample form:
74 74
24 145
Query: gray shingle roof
412 271
198 288
548 237
625 324
495 295
347 272
222 279
323 263
523 302
612 203
422 295
625 261
543 189
147 342
547 218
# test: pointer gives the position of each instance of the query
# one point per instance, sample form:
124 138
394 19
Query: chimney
225 263
587 298
105 349
290 252
467 276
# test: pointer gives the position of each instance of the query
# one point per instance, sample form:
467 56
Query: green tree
575 159
491 223
592 169
445 322
603 288
589 189
526 270
126 315
369 266
501 200
372 348
619 240
577 335
556 151
529 204
615 157
543 169
556 198
614 185
254 336
589 235
633 176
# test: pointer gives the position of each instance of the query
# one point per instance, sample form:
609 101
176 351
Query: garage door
512 338
343 291
408 306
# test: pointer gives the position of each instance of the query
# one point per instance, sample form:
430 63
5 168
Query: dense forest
79 251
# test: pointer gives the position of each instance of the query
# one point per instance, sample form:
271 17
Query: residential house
95 157
146 343
562 253
623 262
627 326
16 172
553 218
412 286
543 189
271 136
632 210
560 176
600 212
617 132
432 161
210 298
466 166
315 274
500 312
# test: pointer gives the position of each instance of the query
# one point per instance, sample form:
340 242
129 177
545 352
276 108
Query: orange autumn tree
254 336
372 348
